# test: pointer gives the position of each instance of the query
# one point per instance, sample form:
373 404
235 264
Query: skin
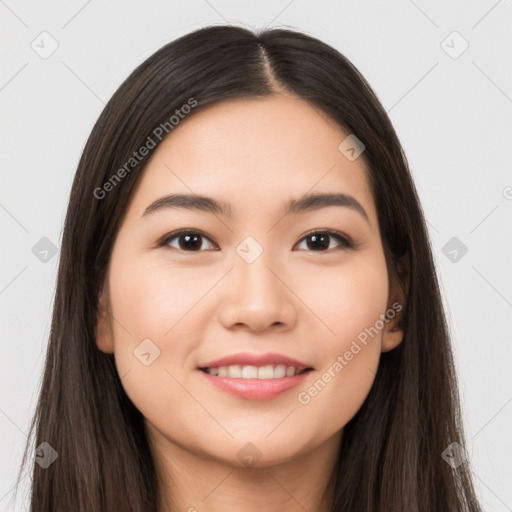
306 303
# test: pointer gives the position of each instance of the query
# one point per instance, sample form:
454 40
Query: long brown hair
391 458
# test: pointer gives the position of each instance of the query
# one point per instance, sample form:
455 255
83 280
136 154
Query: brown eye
193 241
319 241
190 241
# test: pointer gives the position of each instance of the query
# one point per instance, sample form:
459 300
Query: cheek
350 304
346 301
163 304
155 301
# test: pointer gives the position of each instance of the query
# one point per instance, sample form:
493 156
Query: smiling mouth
267 372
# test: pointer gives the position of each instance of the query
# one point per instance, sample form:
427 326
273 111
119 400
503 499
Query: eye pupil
191 242
322 238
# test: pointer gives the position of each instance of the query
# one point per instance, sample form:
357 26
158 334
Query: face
248 321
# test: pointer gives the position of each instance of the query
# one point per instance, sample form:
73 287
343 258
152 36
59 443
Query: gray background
452 112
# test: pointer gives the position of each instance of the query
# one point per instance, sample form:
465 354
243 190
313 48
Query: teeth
266 372
249 372
235 372
290 371
254 372
279 371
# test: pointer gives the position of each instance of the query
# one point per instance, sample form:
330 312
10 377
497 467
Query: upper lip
248 359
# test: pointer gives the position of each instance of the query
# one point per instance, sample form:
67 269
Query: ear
104 333
393 332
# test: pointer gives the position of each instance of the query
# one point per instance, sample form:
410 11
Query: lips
253 376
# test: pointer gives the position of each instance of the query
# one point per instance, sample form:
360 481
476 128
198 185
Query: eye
192 241
319 241
187 240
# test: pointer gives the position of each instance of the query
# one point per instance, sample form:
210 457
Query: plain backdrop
443 72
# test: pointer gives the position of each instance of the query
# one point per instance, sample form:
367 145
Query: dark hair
390 458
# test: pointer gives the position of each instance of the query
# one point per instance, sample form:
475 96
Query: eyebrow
308 202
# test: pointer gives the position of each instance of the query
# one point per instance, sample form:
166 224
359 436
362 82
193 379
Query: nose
258 297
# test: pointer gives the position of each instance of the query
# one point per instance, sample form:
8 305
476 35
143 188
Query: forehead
254 153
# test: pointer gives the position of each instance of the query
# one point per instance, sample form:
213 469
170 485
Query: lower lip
256 389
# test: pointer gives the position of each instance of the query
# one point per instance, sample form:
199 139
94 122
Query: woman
247 312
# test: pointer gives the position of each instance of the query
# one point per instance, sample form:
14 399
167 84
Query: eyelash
345 242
